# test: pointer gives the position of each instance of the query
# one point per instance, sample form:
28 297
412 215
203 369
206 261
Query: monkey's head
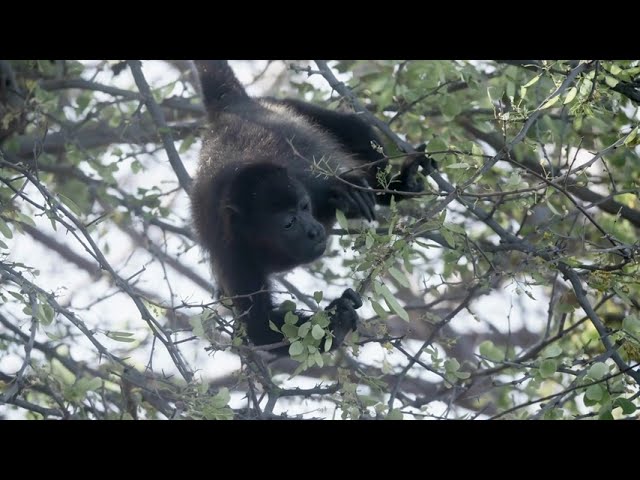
271 215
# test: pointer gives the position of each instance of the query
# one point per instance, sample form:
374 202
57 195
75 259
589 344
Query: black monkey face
287 236
275 221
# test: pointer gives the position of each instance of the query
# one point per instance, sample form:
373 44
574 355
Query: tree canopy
509 288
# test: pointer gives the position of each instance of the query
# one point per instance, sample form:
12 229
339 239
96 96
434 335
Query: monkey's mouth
319 248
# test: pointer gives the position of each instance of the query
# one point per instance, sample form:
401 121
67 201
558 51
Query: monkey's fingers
351 295
363 207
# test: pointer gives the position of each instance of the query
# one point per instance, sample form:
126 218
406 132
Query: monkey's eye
290 222
305 206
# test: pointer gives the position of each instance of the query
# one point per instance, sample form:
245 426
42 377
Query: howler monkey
259 205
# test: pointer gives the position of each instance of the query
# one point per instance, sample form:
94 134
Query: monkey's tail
220 87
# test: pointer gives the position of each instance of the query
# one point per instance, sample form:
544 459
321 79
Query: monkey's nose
315 232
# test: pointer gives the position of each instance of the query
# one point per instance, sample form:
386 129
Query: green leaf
379 309
71 204
627 406
598 370
632 135
296 348
5 230
399 276
594 392
221 399
93 384
342 220
490 351
120 336
317 296
532 81
327 343
605 415
25 219
48 313
631 324
392 303
459 165
186 143
550 103
571 94
304 329
394 415
552 351
289 331
288 306
290 318
317 332
3 245
548 368
448 237
318 358
273 327
611 81
451 365
368 241
196 326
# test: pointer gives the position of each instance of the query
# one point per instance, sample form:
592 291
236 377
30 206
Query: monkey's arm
343 319
356 137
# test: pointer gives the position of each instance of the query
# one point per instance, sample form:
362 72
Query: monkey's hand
344 317
409 180
354 202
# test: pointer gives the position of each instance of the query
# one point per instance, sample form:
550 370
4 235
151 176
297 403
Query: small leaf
459 165
318 358
550 103
296 348
304 329
288 306
317 296
594 392
399 276
394 415
342 220
327 343
448 236
490 351
552 351
548 368
289 331
93 384
48 313
571 94
5 230
598 370
379 309
273 327
71 204
221 399
451 365
368 241
290 318
532 81
627 406
317 332
632 135
393 304
611 81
